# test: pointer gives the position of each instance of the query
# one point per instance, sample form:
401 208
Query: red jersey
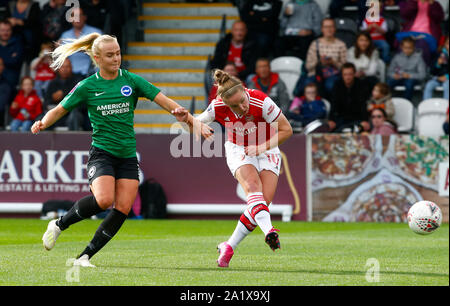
375 35
235 56
44 72
31 105
249 129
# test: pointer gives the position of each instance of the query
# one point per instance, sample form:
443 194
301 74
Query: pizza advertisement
343 159
384 198
372 178
417 158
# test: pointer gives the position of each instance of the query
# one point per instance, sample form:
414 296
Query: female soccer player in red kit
255 127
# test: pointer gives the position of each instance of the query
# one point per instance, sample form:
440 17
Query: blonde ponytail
227 85
88 43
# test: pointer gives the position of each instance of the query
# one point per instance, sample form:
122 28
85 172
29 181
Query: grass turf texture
183 253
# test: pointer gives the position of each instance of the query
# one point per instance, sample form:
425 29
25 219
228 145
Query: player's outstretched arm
49 119
182 115
284 131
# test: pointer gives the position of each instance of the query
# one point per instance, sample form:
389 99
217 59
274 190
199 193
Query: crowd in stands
340 79
344 73
28 86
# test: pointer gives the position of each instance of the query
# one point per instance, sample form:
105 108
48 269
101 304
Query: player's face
238 103
110 57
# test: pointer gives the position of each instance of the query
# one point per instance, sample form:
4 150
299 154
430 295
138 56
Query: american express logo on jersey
115 108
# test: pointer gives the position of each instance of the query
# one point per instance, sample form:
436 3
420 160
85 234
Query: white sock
244 227
259 213
238 235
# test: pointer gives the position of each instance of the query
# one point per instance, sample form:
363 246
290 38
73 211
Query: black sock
109 227
82 209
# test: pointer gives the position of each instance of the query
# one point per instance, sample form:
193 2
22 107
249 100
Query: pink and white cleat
272 239
225 254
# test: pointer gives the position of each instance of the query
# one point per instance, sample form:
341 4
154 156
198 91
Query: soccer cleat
50 235
225 254
272 239
83 261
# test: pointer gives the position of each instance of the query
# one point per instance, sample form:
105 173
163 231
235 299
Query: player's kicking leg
82 209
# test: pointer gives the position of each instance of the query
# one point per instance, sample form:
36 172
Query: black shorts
102 163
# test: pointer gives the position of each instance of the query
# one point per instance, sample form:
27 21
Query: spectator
326 55
270 83
381 98
11 51
25 107
439 71
96 12
348 104
422 20
407 68
379 123
309 107
54 21
229 68
5 94
378 28
58 88
24 16
365 58
300 24
261 18
81 62
236 47
41 68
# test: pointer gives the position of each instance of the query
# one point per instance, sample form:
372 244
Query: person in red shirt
238 48
255 127
26 106
41 66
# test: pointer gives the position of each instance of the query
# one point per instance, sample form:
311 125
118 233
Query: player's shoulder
218 103
256 95
83 85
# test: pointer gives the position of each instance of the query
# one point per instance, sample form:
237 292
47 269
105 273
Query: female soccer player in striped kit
255 127
111 96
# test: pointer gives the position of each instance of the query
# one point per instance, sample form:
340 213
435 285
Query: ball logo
126 91
92 171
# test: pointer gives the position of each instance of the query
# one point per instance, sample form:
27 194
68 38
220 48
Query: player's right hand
37 127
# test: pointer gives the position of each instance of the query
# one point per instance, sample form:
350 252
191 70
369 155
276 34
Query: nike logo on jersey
99 93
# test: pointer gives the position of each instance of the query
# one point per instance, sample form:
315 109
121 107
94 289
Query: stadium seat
289 69
346 30
327 105
431 115
404 114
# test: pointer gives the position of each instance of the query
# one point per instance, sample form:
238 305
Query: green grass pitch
183 253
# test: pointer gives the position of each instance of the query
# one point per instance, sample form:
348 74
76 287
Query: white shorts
269 160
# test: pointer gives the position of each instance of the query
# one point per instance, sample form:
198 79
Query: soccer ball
424 217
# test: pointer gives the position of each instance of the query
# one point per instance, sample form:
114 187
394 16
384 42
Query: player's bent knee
104 201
